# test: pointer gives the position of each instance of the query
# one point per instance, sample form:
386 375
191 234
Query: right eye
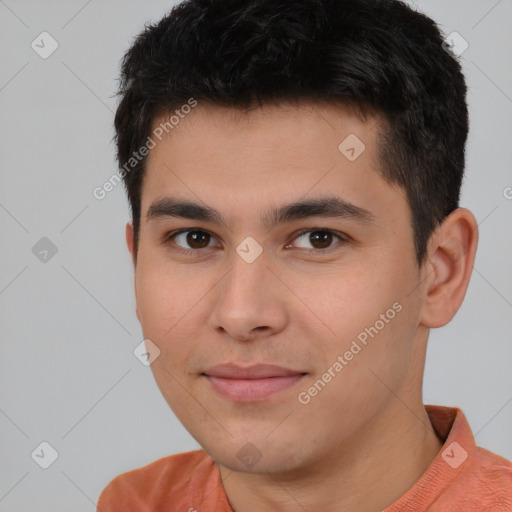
189 240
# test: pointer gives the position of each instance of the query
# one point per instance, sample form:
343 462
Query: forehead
286 121
279 138
269 155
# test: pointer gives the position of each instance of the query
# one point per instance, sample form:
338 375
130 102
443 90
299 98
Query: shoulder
145 487
486 481
495 470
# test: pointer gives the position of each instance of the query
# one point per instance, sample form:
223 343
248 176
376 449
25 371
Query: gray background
68 375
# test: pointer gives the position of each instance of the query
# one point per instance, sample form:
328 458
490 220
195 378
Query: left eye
319 238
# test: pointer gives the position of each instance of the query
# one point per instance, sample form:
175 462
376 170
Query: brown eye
318 239
192 239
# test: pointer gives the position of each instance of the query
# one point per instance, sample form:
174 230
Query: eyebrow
330 206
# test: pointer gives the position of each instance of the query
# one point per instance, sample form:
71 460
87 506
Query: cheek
346 300
171 308
369 311
163 290
156 299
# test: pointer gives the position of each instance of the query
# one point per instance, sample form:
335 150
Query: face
277 325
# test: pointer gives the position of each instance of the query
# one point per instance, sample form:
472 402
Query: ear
446 273
130 242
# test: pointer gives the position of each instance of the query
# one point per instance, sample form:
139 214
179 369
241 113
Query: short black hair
380 56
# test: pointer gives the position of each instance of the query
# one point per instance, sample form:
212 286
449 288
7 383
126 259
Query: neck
368 472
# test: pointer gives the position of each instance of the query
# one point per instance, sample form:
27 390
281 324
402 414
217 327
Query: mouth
253 383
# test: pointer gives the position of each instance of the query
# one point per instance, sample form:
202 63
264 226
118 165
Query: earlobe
451 255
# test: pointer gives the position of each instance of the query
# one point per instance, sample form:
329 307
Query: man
293 170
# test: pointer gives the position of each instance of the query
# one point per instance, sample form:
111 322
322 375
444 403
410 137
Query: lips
251 383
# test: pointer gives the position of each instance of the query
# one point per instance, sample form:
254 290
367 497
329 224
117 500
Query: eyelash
341 236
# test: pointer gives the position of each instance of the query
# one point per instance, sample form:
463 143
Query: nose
249 303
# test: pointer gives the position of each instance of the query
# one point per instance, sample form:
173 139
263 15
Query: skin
365 439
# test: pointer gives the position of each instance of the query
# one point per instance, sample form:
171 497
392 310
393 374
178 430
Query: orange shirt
463 477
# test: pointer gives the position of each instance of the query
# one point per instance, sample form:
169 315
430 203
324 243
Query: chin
257 456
